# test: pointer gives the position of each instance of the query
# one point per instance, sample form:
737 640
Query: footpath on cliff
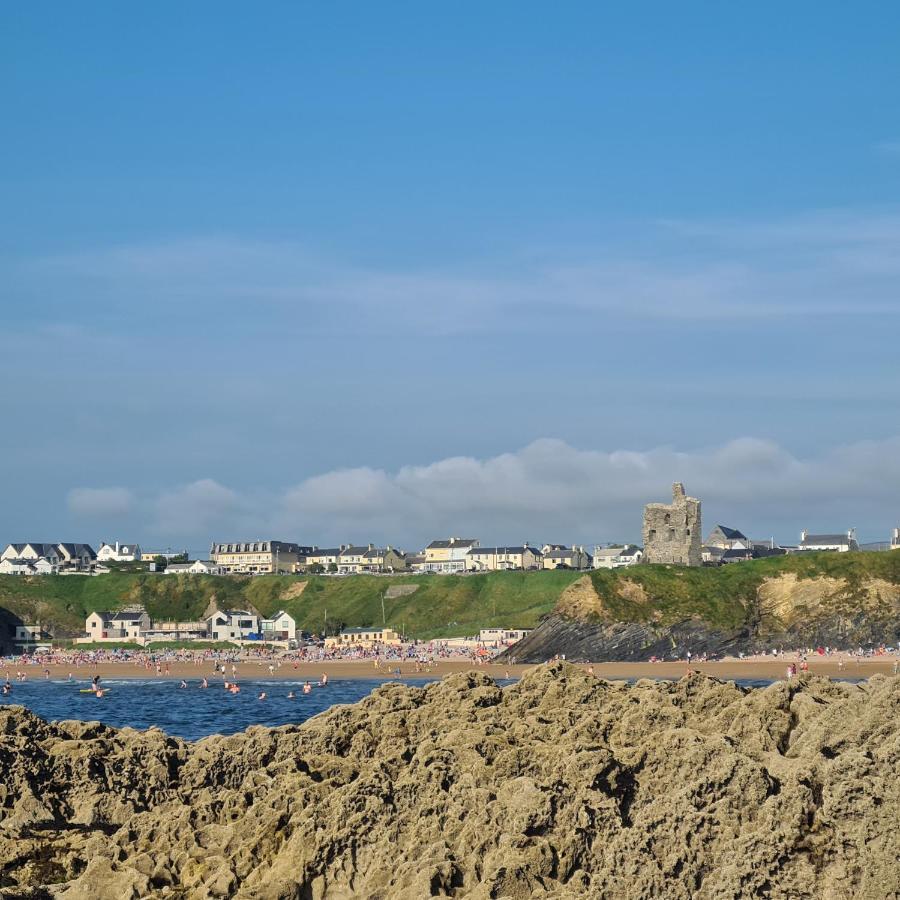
562 785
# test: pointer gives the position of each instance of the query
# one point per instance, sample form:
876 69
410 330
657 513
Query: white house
617 557
232 625
118 552
66 557
196 567
40 566
840 543
502 636
280 627
122 625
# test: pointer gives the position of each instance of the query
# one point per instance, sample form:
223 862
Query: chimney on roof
371 547
803 535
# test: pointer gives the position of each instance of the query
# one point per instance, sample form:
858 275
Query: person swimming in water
290 695
324 680
262 695
204 683
183 683
307 687
95 683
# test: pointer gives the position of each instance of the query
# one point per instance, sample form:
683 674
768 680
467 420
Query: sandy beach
727 669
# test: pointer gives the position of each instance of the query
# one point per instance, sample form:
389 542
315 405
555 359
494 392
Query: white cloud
100 503
550 491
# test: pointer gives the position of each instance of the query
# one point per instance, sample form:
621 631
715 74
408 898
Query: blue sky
387 271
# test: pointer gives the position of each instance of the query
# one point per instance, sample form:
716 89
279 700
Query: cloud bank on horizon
546 491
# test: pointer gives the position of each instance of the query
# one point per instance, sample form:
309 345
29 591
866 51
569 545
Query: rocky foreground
560 786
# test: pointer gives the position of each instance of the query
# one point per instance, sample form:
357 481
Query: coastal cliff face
560 786
667 612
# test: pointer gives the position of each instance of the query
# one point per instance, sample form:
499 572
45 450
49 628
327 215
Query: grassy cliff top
425 605
729 596
445 605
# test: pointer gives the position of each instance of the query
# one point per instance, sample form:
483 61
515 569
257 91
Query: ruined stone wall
672 530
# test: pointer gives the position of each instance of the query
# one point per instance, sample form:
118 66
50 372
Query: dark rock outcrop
559 786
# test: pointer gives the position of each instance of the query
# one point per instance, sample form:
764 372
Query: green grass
442 605
726 597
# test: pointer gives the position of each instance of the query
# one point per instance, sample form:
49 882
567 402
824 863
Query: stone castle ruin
672 530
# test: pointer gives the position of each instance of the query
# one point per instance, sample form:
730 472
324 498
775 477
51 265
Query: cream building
558 556
364 637
257 557
123 625
326 557
496 559
446 557
383 559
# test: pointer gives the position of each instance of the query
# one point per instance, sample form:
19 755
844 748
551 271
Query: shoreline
725 670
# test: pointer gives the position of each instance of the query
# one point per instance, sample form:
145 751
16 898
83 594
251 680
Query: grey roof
737 553
127 615
516 550
731 533
562 553
455 542
328 551
355 551
631 550
824 539
256 547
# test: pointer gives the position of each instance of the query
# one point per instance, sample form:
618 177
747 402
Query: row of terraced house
448 556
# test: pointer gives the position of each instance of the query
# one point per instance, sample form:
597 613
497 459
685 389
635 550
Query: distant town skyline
330 273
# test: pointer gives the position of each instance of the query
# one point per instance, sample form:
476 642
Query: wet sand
728 669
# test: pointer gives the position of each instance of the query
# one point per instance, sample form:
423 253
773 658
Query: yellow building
364 637
446 557
498 559
257 557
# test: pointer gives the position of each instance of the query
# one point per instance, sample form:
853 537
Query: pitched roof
128 615
732 534
511 550
452 542
826 539
737 553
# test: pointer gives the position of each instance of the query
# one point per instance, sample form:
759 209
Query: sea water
194 712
